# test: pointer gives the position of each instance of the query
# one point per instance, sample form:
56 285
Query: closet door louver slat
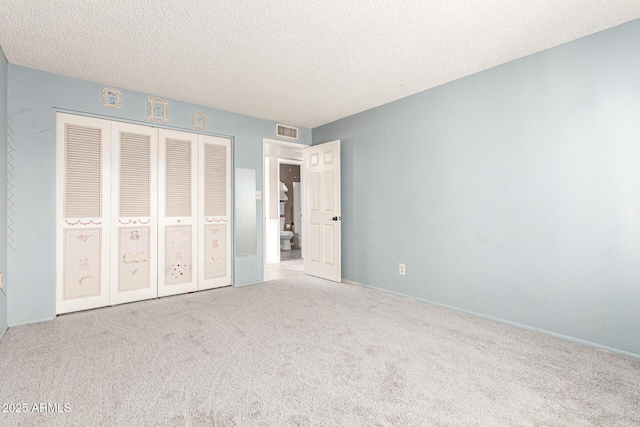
135 175
178 178
83 172
215 180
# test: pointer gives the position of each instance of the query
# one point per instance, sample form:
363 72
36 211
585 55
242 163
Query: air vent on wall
287 131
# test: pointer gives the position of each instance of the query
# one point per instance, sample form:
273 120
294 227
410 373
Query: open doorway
290 209
283 210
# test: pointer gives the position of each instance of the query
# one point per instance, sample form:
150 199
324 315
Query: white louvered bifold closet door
177 212
134 219
214 209
82 212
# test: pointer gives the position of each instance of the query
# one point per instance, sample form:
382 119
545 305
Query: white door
177 213
214 212
271 217
134 218
82 212
297 214
322 205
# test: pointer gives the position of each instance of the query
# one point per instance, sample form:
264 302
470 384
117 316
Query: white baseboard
508 322
237 285
30 321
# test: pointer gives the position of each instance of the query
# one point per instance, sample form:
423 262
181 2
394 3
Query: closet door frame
173 247
109 225
132 260
214 227
76 270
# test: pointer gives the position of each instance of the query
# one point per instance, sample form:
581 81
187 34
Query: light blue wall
3 190
34 97
514 193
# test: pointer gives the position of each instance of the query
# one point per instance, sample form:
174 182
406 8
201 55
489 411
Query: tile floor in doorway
284 269
292 254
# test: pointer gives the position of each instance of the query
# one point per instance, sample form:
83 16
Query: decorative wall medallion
158 110
111 98
199 120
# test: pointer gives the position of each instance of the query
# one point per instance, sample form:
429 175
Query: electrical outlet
401 269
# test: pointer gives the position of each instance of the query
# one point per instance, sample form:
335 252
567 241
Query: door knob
336 218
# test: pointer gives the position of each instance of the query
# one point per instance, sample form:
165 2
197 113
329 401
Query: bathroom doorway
290 210
283 209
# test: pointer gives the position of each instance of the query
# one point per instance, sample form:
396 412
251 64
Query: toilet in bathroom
285 237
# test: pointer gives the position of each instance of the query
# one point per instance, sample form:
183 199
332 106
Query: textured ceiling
300 62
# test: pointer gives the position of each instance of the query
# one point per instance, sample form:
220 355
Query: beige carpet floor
306 352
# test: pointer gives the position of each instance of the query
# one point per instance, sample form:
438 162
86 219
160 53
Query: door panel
214 228
329 233
82 211
322 194
215 256
177 220
314 195
134 218
82 263
315 243
134 262
178 255
328 192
